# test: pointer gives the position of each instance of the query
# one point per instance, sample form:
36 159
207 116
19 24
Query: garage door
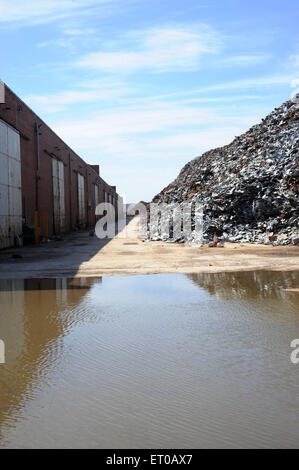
58 195
10 186
81 200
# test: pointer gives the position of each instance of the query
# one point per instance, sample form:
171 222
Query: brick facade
39 145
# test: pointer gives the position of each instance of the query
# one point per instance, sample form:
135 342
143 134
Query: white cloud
128 142
246 60
37 11
210 99
169 48
72 39
79 32
59 42
59 101
131 121
118 93
151 131
257 83
195 143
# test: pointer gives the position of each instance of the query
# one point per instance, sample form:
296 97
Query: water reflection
159 361
35 314
248 285
60 284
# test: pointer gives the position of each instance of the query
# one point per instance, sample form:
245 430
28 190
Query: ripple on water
159 361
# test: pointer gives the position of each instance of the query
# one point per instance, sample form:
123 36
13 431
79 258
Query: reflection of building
12 317
35 314
247 285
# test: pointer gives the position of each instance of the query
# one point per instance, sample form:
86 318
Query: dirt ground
80 255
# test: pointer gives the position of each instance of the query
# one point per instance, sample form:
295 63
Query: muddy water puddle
156 361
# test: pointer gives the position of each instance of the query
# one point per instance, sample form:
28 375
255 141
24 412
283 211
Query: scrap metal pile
248 189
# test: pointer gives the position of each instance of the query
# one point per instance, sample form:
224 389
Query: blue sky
143 86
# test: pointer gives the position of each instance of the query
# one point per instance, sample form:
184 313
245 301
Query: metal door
10 186
81 200
96 195
58 195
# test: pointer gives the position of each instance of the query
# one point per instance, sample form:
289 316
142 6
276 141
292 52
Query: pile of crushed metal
249 188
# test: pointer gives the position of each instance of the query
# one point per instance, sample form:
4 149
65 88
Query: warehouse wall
38 149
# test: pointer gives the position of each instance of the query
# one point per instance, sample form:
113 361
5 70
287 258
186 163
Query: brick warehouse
43 182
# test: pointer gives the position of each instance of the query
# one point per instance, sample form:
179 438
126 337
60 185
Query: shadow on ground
54 259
